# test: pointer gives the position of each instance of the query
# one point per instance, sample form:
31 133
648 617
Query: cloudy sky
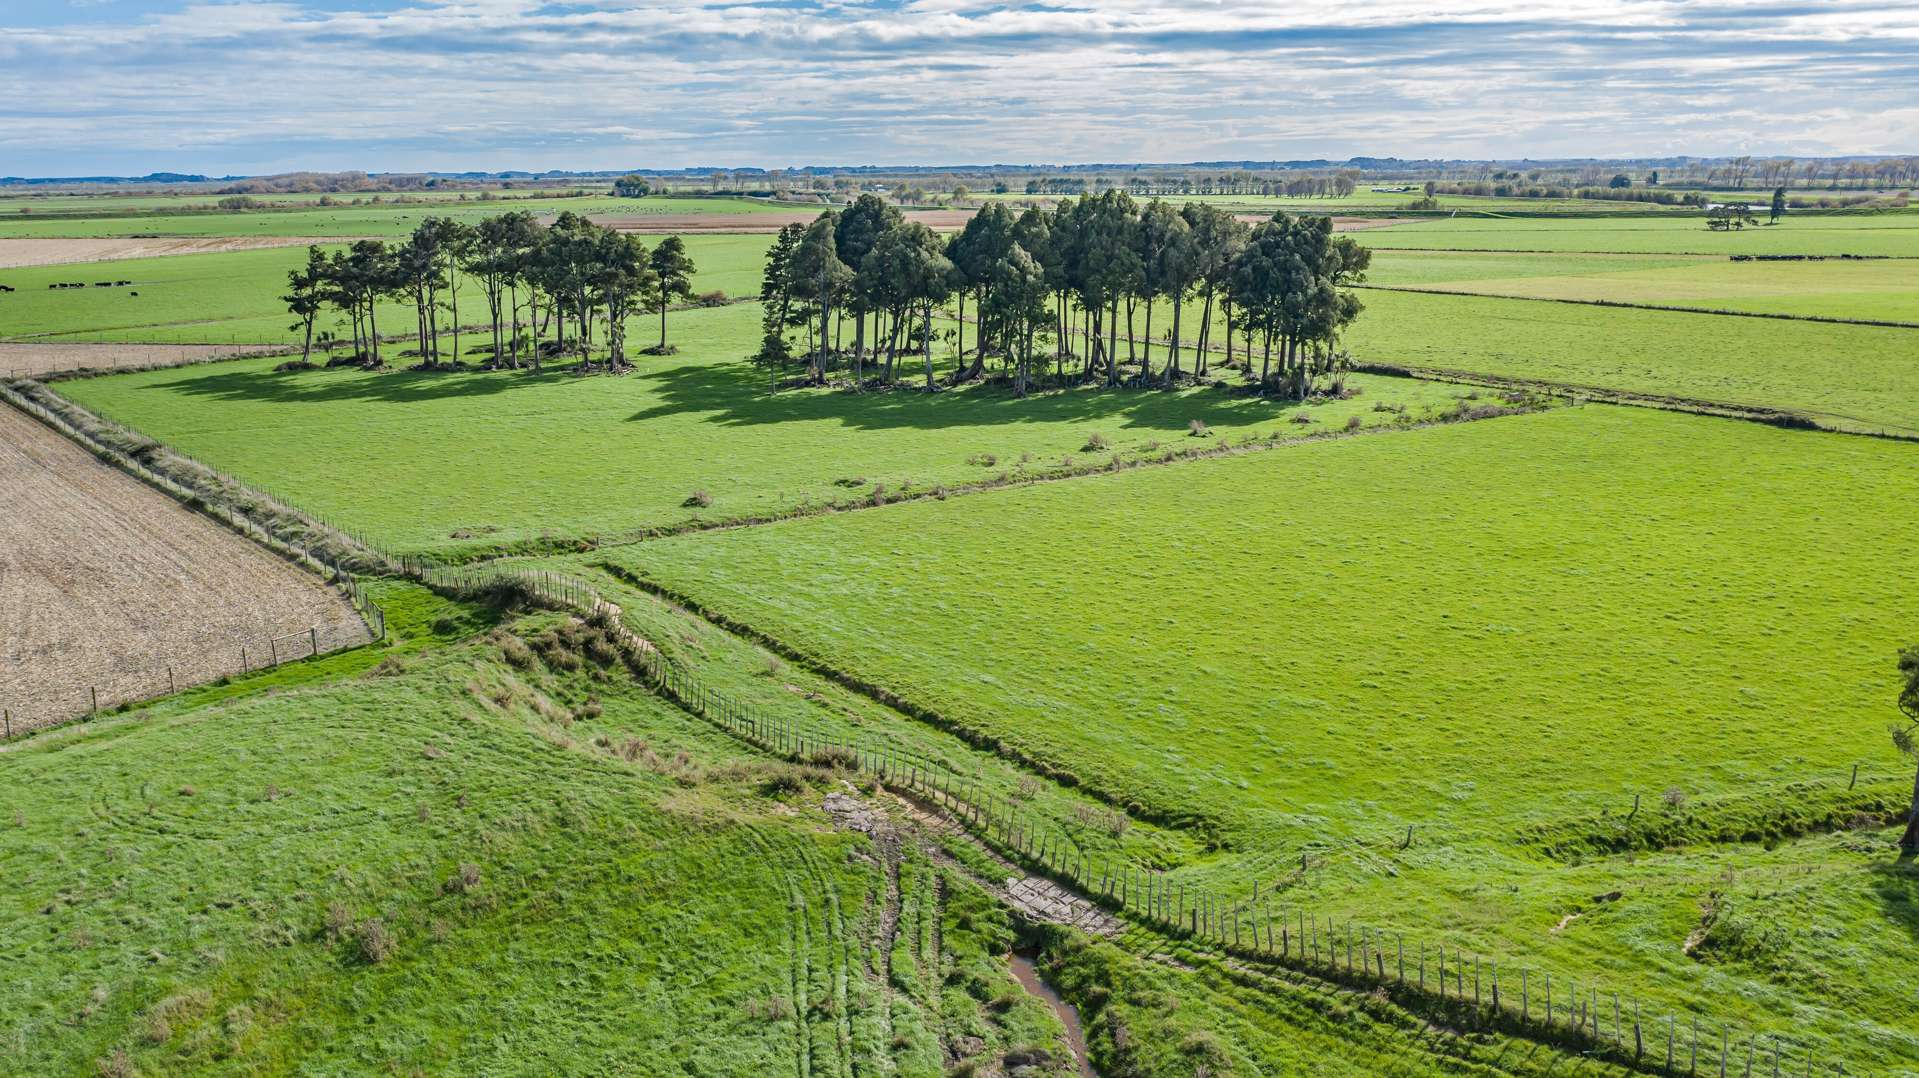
131 86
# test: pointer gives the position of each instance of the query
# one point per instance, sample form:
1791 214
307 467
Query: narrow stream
1028 976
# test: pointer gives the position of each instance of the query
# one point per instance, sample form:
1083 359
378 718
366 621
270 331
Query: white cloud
525 83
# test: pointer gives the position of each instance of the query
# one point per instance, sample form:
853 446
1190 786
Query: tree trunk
927 349
1909 841
1172 363
1146 350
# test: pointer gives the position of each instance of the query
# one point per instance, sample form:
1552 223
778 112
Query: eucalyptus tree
1168 264
1902 736
672 269
620 277
1217 238
907 273
1108 256
860 227
985 239
306 297
776 296
816 273
495 261
1018 292
419 262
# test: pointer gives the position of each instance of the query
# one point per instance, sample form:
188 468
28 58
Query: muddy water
1029 978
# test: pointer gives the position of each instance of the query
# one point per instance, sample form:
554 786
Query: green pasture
1498 634
384 219
1851 377
235 296
508 458
1399 606
1894 235
190 888
1880 290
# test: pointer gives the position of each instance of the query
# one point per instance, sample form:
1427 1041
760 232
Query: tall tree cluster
562 289
1092 277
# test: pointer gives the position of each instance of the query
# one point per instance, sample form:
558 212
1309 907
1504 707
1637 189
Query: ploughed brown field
30 359
16 253
106 582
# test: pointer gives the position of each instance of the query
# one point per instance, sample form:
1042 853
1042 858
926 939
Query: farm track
111 585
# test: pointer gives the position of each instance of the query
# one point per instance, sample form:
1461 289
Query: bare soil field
769 221
30 359
106 582
16 253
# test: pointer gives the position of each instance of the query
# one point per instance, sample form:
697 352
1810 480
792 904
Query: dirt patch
1340 224
769 221
31 359
106 583
18 253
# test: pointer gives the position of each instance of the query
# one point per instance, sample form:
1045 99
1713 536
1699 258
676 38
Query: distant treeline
1065 274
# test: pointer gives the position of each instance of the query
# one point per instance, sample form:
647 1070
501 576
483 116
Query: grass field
1421 630
234 296
1853 377
1465 554
1885 290
193 890
561 458
1891 235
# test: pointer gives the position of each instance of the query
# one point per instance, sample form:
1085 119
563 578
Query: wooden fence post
313 638
95 691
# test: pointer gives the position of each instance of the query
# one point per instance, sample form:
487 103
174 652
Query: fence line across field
1252 927
1248 928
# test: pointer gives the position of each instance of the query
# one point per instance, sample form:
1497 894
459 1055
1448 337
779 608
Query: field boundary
1790 419
1249 929
1827 319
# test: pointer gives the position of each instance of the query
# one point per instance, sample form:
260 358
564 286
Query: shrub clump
699 499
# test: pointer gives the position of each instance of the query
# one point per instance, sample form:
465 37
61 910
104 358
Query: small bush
1095 442
1302 419
466 879
1353 422
982 460
516 653
699 499
1674 798
715 298
376 941
1197 429
852 481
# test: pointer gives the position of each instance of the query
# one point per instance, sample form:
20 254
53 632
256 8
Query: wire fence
1256 926
1251 925
238 656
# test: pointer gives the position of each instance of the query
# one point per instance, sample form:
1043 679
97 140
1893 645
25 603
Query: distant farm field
1342 638
1894 235
386 218
1876 290
107 584
456 462
235 296
1856 377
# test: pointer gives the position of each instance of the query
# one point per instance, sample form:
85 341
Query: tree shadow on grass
1897 884
328 387
733 394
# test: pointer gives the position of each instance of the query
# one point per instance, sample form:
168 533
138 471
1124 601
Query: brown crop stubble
106 582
